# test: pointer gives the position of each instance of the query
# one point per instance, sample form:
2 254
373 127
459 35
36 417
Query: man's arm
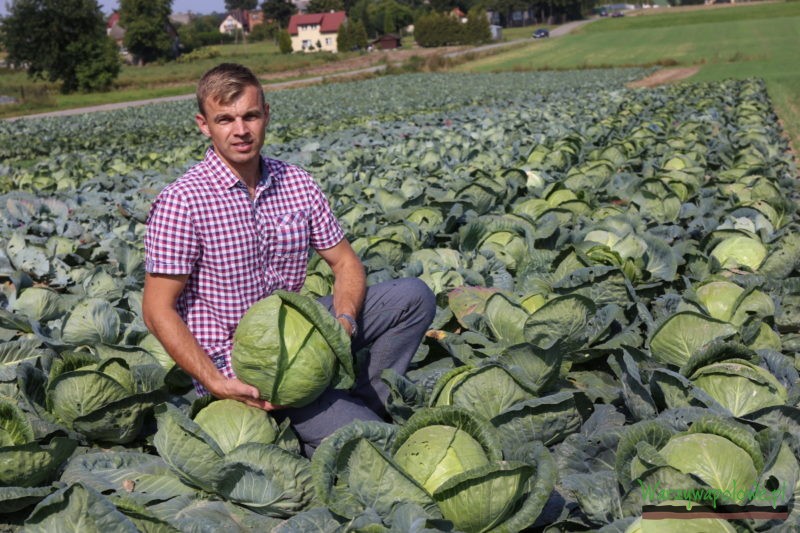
350 282
158 308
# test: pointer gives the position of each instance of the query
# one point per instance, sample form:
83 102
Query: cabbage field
618 294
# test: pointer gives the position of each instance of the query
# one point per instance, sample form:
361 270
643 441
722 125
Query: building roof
113 20
328 22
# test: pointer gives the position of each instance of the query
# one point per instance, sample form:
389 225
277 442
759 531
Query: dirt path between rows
664 76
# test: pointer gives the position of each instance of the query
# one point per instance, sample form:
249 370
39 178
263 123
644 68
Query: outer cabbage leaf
187 449
92 321
561 321
31 464
739 386
141 477
487 390
683 333
232 423
481 498
266 479
714 459
350 466
78 509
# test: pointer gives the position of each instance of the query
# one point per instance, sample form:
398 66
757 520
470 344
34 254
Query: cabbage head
24 462
445 460
291 349
105 400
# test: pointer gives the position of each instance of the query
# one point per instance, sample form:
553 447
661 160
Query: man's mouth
242 146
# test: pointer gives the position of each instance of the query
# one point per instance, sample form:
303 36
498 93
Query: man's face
237 130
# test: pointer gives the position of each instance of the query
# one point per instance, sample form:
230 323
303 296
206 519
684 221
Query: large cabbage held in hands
291 349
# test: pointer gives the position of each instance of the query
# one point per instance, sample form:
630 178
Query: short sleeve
325 228
171 243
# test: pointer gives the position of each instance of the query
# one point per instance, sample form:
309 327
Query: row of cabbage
616 279
62 152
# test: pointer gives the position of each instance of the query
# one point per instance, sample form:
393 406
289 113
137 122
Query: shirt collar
224 176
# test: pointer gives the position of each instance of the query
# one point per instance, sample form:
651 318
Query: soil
664 76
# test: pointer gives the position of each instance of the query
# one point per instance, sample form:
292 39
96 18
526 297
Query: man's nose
239 127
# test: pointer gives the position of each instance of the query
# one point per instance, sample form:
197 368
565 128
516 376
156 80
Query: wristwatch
351 320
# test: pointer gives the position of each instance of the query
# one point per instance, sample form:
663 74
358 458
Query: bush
199 53
98 73
438 29
285 42
263 32
352 36
477 29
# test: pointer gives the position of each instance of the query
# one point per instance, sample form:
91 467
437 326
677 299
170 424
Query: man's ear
266 114
202 123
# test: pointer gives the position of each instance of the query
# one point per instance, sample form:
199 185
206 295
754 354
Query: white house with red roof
316 31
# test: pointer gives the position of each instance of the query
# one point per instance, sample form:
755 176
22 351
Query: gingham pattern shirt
236 250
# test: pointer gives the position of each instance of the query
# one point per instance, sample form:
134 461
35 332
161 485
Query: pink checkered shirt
235 250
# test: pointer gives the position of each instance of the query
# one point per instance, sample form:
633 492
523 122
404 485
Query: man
236 227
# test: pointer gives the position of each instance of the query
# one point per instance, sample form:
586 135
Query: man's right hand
237 390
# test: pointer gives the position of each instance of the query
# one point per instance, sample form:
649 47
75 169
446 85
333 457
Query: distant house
316 31
231 25
114 30
387 42
241 20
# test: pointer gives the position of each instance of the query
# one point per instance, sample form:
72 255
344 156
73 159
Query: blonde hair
224 84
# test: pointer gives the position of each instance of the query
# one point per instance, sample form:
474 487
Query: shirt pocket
291 234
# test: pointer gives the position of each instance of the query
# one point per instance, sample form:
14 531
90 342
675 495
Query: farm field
727 42
618 295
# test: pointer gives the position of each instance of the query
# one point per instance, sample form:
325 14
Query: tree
285 42
230 5
279 10
324 6
61 40
146 24
477 27
352 36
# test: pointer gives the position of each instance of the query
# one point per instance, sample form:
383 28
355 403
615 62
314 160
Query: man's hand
234 389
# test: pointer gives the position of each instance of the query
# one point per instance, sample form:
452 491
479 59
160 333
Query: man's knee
420 299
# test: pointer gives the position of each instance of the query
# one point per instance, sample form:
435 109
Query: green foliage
202 30
198 54
285 42
264 32
146 25
100 69
324 6
438 29
61 42
477 28
279 10
352 36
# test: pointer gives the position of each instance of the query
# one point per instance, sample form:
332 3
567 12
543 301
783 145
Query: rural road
556 32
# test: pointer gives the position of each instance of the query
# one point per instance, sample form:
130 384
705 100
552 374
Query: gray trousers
395 317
